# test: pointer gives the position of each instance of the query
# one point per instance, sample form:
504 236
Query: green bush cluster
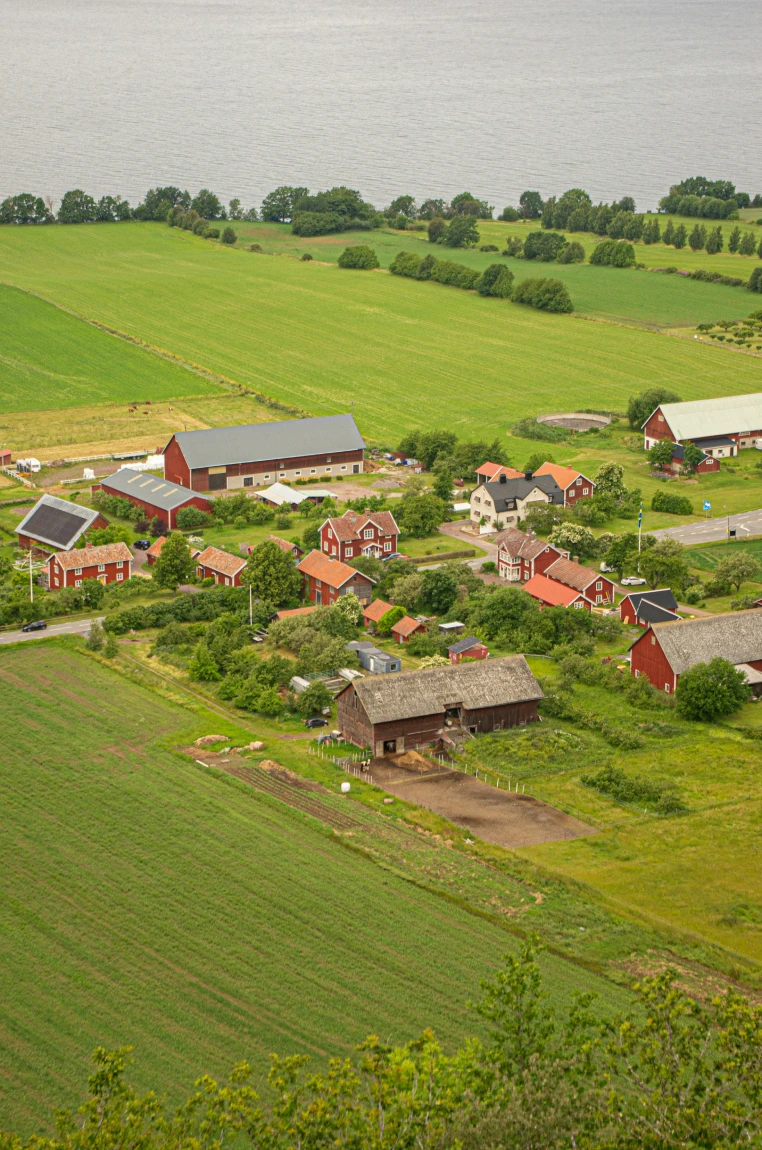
674 504
662 798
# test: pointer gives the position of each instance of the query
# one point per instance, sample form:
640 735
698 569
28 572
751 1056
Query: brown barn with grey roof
395 713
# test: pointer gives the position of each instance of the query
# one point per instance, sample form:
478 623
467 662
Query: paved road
79 627
747 523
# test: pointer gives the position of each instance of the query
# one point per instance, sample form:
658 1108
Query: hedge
674 504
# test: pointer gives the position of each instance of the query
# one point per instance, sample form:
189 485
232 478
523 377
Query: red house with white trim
666 650
325 579
221 566
357 533
109 563
574 484
597 589
521 555
548 593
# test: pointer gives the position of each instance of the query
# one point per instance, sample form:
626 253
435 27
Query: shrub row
496 280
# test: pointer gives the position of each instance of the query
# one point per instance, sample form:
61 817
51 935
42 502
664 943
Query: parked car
316 722
38 625
142 544
633 581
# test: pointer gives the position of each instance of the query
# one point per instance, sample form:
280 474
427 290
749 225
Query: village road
78 627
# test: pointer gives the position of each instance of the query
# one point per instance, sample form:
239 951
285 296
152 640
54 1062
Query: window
77 570
368 533
119 577
248 481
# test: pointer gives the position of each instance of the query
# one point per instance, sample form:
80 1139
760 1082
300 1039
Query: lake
429 98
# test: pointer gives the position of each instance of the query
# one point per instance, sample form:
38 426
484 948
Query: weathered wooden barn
395 713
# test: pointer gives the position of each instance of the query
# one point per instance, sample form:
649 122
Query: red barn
666 650
221 566
326 579
521 555
358 533
597 589
548 593
157 498
110 563
574 484
229 458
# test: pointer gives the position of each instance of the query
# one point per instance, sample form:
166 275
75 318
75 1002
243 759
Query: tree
437 228
174 565
680 236
736 569
710 691
439 590
531 205
77 208
360 256
202 667
660 455
639 407
271 574
664 564
461 232
443 484
420 515
314 700
208 205
95 638
229 235
734 241
714 241
389 618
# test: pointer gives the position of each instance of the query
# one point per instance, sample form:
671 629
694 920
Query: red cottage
358 533
548 593
520 555
111 563
326 579
221 566
597 589
574 484
666 650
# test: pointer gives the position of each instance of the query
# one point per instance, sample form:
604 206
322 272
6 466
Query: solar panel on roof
55 525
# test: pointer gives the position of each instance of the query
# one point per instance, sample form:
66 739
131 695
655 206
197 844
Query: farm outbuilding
56 523
417 708
157 498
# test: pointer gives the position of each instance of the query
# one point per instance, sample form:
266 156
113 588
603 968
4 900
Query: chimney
527 475
503 477
575 558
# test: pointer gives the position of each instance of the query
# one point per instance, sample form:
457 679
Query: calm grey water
617 96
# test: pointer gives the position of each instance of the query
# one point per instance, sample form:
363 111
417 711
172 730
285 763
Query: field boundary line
163 353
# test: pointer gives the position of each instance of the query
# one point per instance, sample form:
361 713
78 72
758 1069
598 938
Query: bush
544 246
545 294
674 504
360 256
614 254
574 253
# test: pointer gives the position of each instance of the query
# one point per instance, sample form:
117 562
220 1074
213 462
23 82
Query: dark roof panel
252 442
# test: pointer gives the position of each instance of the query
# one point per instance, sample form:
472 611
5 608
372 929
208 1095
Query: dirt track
500 817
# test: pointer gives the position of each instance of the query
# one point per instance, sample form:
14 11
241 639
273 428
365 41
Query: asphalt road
79 627
747 523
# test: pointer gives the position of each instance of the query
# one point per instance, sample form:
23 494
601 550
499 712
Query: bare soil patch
500 817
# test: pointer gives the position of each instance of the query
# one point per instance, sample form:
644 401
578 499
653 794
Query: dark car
38 625
316 722
142 544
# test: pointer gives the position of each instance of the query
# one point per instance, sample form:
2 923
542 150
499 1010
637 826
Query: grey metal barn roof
736 637
699 418
57 522
251 442
157 492
413 694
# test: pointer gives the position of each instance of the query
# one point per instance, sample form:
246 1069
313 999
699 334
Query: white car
633 581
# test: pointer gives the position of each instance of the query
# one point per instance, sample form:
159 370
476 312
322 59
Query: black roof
663 598
504 495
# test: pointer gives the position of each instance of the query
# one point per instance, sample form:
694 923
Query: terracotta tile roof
221 561
295 611
284 544
348 527
493 470
557 594
406 626
92 556
564 476
376 610
573 574
330 571
517 544
155 549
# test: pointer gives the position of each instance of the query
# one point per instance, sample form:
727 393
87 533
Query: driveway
78 627
712 530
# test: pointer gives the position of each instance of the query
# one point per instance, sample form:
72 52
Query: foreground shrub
544 294
360 256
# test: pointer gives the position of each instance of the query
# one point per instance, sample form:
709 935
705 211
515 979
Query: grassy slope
50 359
146 902
408 354
666 301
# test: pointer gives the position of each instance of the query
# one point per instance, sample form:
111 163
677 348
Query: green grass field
407 354
147 902
49 359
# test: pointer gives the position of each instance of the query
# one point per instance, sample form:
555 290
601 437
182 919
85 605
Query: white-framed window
101 566
77 582
387 546
119 577
77 570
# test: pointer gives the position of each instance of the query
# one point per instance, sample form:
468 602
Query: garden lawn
316 337
51 359
147 902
